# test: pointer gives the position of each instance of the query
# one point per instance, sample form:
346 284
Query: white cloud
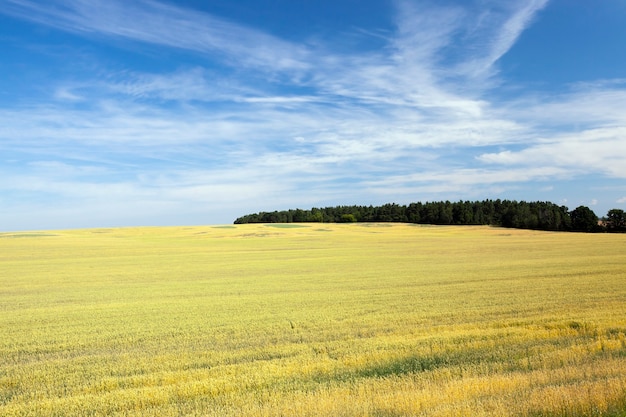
596 150
501 26
183 85
164 24
464 177
590 104
66 94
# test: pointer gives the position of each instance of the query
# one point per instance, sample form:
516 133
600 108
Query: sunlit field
312 320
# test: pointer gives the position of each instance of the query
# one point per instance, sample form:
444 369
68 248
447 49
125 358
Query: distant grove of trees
505 213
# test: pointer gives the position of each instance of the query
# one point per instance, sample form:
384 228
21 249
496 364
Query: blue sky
146 112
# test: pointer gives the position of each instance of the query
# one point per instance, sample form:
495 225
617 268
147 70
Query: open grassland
317 320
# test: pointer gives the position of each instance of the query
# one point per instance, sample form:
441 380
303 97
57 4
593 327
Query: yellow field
315 320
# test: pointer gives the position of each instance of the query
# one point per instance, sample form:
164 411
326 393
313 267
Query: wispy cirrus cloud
183 85
495 32
166 25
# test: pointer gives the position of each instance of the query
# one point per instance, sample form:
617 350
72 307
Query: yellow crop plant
312 320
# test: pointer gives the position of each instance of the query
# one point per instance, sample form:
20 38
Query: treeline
505 213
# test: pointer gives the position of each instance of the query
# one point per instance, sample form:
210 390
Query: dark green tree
347 218
616 220
316 216
413 212
583 219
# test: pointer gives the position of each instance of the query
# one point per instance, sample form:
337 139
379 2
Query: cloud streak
166 25
501 27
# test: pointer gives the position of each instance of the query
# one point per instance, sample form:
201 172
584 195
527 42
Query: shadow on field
404 366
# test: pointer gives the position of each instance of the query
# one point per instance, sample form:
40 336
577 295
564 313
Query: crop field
312 320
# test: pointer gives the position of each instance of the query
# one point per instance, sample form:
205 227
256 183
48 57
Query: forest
538 215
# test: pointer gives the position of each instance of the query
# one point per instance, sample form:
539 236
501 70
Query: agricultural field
312 320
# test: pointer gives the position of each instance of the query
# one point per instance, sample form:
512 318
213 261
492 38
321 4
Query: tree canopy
584 220
616 220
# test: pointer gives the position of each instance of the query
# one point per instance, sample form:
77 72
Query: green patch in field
20 235
403 366
223 227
